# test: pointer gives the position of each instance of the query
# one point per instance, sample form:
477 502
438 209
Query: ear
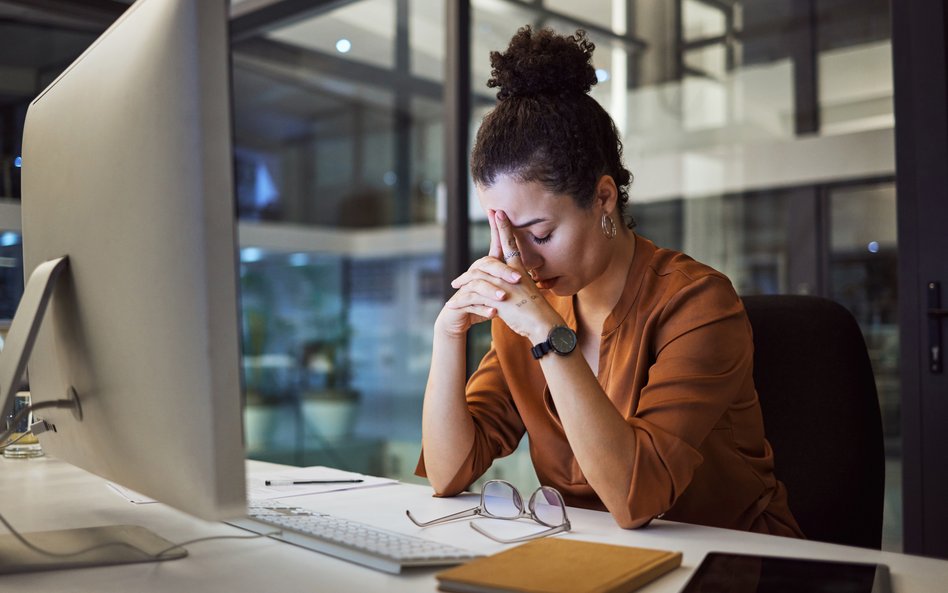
607 194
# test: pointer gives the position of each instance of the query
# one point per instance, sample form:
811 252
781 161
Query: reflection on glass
427 36
601 14
702 20
340 158
11 273
855 88
863 276
366 30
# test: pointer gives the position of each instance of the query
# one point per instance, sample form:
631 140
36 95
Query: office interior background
760 134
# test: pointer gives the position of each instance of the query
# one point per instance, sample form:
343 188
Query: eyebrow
529 223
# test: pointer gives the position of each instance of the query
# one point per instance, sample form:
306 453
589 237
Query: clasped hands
499 285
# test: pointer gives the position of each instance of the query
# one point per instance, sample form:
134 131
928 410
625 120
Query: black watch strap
561 340
540 349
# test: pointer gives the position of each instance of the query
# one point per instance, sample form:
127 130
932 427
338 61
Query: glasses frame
525 513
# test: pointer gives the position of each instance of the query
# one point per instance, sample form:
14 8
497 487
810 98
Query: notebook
556 565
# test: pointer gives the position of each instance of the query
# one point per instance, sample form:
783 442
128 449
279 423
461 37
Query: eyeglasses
501 500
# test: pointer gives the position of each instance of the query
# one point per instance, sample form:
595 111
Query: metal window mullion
457 115
402 118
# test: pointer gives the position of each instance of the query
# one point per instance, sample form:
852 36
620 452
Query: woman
629 366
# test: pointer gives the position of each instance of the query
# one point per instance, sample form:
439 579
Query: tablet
744 573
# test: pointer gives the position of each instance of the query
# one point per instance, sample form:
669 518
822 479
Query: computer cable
214 537
26 410
14 441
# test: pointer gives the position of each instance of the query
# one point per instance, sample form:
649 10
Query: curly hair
545 127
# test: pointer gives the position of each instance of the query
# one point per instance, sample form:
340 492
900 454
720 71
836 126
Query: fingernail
514 276
500 294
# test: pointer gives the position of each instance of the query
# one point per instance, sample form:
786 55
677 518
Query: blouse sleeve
498 427
703 356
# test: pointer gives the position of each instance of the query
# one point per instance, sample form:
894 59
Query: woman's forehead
523 201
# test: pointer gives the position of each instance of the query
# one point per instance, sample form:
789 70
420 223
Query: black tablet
745 573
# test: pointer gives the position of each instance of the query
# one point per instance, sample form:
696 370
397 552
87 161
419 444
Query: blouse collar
644 250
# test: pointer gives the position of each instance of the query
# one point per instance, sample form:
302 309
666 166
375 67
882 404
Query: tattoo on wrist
522 303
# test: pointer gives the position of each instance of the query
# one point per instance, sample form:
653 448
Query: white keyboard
363 544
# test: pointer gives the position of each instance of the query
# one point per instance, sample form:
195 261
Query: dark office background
352 124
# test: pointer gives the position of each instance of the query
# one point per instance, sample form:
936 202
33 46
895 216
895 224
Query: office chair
821 415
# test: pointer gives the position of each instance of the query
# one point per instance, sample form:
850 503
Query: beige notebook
555 565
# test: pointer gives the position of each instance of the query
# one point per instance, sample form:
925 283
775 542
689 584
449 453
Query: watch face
563 339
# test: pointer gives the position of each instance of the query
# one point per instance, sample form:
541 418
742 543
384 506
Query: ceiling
39 38
289 76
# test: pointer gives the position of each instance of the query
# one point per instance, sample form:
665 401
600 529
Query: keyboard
370 546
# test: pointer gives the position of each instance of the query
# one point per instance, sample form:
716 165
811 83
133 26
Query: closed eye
542 240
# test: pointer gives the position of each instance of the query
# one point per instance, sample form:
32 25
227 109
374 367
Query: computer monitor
127 171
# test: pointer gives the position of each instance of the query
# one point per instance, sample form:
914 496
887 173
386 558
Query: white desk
45 493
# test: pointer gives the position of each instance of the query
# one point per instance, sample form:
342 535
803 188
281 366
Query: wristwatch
561 340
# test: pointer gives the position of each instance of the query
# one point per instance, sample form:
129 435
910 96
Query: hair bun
543 63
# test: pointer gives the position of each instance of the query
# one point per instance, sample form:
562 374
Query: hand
480 288
523 309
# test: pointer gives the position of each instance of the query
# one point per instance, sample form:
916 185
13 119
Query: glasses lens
502 500
547 506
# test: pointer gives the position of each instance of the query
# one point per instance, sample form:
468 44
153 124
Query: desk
44 493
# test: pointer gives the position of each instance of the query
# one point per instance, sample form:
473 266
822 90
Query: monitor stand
23 330
83 548
68 548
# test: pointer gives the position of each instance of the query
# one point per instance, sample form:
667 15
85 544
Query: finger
508 242
495 248
480 291
479 312
486 268
474 308
475 314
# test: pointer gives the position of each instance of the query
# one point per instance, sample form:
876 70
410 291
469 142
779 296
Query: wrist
561 339
444 330
541 329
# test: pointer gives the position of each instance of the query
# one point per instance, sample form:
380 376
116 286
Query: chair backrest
821 415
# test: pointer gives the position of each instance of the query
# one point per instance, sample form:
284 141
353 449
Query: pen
295 482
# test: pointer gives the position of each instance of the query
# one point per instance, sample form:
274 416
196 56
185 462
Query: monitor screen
127 171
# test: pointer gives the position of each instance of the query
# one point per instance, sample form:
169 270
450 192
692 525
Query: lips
545 283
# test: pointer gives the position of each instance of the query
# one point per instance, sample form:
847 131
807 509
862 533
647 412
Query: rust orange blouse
676 358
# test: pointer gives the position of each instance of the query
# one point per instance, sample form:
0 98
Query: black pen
298 482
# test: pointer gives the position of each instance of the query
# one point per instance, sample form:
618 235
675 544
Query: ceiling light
299 259
251 255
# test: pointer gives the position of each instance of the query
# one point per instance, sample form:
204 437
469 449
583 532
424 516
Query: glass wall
339 151
33 51
11 272
760 135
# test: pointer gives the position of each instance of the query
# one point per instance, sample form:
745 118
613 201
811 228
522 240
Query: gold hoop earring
609 229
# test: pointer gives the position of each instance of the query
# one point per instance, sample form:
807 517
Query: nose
531 259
